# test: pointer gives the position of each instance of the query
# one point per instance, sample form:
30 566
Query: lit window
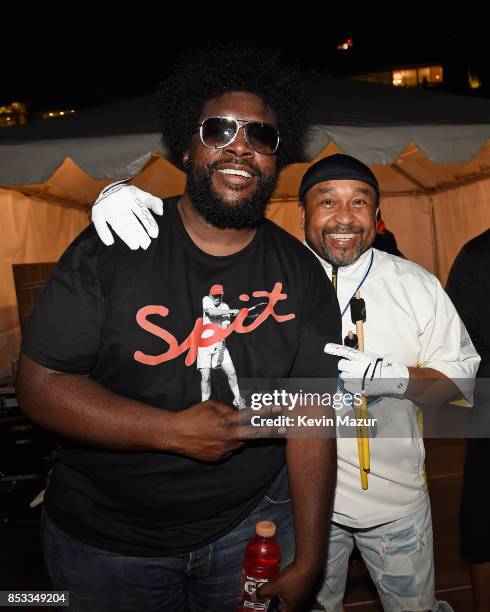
473 80
418 77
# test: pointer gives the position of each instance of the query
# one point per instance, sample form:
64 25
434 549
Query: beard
339 257
228 214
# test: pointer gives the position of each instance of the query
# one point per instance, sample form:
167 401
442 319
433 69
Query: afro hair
207 74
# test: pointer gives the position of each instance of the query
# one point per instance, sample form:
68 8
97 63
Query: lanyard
360 284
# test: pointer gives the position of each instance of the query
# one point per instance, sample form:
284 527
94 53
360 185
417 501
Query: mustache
343 229
244 163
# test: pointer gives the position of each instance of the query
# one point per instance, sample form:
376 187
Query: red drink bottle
261 564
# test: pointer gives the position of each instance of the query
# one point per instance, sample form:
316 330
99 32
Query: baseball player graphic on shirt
217 355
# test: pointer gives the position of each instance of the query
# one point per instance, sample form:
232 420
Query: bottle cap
266 529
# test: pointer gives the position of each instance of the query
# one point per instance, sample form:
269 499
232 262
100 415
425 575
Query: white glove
368 373
121 205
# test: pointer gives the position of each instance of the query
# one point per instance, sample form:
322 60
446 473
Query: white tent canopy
375 123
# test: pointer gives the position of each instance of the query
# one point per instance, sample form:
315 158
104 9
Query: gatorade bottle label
249 589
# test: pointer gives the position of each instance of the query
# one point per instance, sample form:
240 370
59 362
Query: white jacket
410 317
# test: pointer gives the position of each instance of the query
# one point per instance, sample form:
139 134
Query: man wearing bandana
417 352
415 348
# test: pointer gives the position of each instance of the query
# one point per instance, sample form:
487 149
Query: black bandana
337 167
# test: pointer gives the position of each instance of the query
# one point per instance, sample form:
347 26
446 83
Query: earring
302 224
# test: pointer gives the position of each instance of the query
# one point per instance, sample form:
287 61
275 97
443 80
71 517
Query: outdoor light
346 45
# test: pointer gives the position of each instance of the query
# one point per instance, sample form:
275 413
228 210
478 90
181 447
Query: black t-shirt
126 319
468 286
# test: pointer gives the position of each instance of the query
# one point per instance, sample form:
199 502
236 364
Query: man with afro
155 492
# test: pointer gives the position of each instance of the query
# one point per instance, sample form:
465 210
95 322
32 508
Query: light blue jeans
399 557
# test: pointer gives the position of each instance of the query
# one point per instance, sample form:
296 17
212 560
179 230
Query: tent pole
428 193
435 254
461 181
409 177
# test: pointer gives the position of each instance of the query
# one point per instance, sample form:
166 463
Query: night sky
66 54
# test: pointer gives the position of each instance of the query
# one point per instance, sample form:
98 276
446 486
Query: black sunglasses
219 132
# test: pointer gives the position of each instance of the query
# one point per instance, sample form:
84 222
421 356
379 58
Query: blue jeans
207 579
399 557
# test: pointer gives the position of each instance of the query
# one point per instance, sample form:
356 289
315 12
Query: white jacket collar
351 270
